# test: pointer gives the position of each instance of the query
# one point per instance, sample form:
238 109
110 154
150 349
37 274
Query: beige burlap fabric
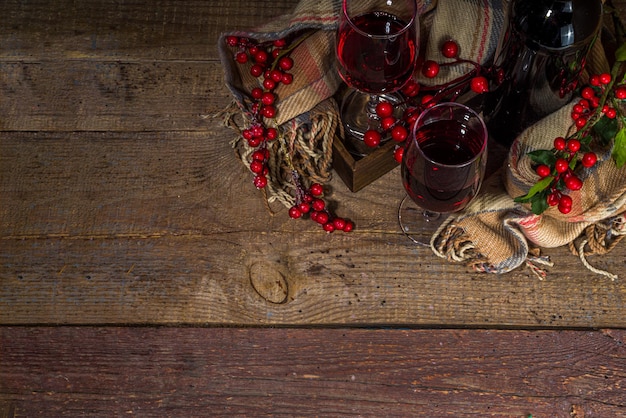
497 235
494 234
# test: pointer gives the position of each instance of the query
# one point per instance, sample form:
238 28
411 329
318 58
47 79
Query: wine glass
377 46
442 167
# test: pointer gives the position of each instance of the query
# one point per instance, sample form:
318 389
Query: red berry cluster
590 100
415 102
557 167
270 63
309 202
566 152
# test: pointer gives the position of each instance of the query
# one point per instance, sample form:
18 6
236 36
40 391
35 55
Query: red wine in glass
442 168
377 45
376 52
446 177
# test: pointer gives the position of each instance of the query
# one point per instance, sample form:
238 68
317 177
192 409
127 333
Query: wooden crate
357 172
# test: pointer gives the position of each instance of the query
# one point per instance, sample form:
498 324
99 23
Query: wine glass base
358 114
416 223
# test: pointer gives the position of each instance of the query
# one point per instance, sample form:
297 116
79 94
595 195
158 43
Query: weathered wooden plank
332 372
86 95
274 278
144 228
126 30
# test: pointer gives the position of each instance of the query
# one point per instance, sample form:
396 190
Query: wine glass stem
430 216
371 107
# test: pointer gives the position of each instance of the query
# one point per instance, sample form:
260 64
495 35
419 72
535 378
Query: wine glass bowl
442 168
377 46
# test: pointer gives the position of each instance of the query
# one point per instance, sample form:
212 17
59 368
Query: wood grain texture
333 372
123 202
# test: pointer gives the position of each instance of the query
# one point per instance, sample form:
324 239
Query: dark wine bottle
540 57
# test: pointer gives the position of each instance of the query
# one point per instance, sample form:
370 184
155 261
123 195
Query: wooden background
122 204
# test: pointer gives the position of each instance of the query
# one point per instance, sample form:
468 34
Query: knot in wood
269 282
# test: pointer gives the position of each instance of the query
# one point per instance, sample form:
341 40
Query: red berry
559 143
573 145
271 134
450 49
372 138
387 123
268 98
294 212
339 223
573 183
430 69
304 207
321 217
427 100
276 75
578 108
269 84
279 43
581 122
349 226
553 198
258 155
479 85
543 170
318 204
620 93
256 70
257 166
411 115
232 41
329 227
588 93
285 63
254 142
384 109
399 133
260 181
241 57
589 159
316 189
261 56
594 80
411 88
398 154
605 78
268 112
565 204
256 93
561 165
287 78
611 113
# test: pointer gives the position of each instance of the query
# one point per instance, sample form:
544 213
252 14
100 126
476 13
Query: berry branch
271 63
417 98
598 120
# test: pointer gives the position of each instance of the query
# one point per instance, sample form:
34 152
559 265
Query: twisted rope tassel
601 239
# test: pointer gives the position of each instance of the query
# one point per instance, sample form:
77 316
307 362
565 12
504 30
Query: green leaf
619 148
542 156
538 187
606 129
620 54
539 203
